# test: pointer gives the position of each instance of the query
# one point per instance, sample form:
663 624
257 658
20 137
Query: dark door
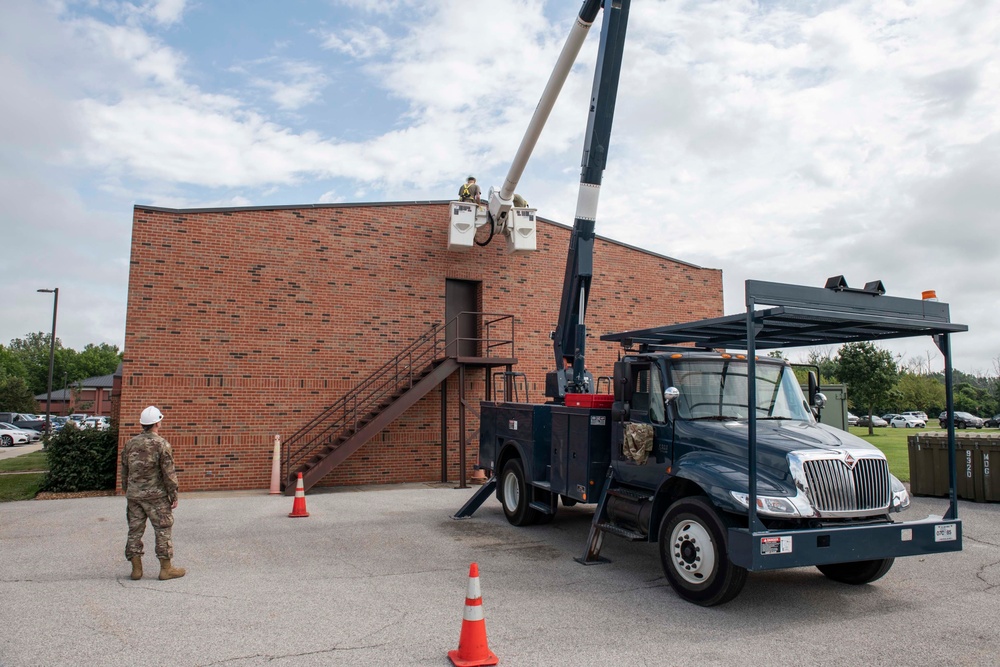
460 303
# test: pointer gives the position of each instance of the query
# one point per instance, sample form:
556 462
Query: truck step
541 507
615 529
629 494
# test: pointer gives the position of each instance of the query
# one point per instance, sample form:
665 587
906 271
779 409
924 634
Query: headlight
770 505
900 498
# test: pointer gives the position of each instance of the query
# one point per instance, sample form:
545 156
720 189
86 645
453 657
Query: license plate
945 533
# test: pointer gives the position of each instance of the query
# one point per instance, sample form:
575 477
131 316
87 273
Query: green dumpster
988 451
928 454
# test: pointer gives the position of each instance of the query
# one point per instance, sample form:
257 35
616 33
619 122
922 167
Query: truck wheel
516 494
861 572
694 554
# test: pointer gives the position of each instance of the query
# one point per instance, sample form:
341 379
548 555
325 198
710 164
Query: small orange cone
472 648
299 505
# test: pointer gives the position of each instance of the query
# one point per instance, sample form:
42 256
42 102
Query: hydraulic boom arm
570 337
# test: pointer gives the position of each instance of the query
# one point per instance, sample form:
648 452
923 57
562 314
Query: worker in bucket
150 485
469 191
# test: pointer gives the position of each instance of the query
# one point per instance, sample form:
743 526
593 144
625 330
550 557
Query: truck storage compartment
581 451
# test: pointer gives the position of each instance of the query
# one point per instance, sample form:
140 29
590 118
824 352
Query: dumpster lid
804 316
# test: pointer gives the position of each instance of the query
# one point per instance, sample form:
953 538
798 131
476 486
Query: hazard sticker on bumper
776 545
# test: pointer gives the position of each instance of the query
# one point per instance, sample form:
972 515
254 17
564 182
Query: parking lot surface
378 576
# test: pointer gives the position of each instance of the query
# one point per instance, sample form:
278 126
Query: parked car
918 414
21 420
100 423
33 435
852 419
79 418
876 421
907 421
992 422
10 436
888 417
962 420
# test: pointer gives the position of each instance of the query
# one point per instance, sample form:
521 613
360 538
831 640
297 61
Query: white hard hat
150 416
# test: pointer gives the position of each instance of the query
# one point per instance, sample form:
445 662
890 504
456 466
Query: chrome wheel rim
511 492
692 552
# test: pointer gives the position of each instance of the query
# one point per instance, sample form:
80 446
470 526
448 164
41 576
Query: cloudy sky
777 140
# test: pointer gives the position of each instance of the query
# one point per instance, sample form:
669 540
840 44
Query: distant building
244 323
92 396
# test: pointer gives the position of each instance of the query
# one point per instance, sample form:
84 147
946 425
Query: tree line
24 368
878 383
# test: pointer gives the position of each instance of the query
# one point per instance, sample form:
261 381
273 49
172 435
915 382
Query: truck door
642 437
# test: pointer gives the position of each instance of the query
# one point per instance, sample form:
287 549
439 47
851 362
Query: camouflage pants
159 514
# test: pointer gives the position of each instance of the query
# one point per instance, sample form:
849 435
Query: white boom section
520 231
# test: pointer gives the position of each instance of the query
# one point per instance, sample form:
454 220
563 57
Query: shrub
82 460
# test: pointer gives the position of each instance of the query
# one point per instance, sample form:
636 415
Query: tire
6 441
907 426
856 574
694 554
515 495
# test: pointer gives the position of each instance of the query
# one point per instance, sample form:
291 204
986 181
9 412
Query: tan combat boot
168 571
136 567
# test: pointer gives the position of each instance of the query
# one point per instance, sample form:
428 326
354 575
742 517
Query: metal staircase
332 436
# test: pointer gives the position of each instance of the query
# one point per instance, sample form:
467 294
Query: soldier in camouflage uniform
150 485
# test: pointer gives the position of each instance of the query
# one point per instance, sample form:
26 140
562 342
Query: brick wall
244 323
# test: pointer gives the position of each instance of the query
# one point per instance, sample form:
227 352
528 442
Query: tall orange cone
299 505
472 648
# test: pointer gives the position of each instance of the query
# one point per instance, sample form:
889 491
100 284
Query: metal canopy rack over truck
807 316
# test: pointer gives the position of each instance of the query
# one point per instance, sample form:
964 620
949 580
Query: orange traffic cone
472 648
299 506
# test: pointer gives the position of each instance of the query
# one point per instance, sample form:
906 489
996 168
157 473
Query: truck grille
833 487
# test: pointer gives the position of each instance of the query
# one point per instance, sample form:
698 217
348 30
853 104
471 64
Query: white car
919 415
10 436
100 423
907 421
32 434
852 419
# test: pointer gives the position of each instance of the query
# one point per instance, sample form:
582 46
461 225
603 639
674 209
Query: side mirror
670 394
819 400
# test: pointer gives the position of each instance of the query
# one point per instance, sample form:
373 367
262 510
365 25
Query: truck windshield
717 389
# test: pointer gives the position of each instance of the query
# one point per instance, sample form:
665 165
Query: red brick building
244 323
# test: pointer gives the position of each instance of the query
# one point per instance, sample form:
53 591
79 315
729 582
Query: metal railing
494 337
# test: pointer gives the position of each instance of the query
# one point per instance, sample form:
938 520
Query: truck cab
681 418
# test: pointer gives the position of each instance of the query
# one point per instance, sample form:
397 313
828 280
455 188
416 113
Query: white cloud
296 85
167 12
774 141
360 43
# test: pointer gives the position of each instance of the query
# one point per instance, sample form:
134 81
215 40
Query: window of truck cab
717 389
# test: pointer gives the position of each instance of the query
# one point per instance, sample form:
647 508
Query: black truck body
714 455
676 452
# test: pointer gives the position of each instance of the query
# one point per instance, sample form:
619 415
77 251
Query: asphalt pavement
378 576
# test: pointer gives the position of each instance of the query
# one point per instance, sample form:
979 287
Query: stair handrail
345 414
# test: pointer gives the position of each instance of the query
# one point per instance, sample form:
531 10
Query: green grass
26 485
20 487
31 461
892 442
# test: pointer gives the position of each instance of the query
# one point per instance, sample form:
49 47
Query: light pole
52 358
